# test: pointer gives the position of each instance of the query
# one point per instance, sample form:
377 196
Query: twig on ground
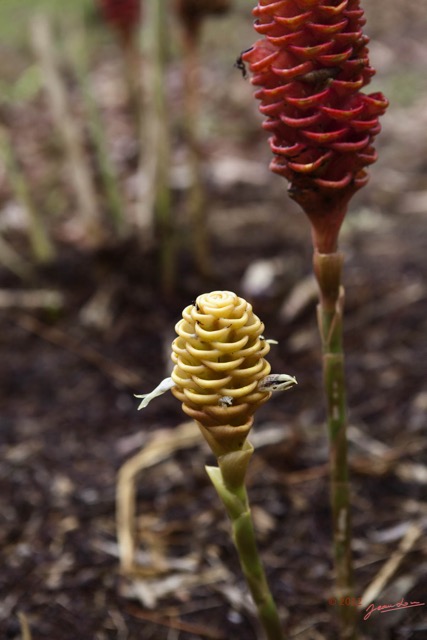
25 627
37 299
391 566
160 447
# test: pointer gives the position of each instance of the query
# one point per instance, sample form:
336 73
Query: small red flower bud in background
122 15
311 66
192 12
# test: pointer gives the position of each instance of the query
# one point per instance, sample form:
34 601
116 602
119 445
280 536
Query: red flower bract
122 15
311 66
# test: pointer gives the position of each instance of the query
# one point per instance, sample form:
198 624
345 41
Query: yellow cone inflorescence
219 363
220 374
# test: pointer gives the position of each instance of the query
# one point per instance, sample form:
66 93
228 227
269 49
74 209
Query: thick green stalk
328 268
228 480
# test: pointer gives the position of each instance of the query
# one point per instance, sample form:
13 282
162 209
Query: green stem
196 199
328 268
156 137
41 244
10 259
233 495
133 73
79 54
80 175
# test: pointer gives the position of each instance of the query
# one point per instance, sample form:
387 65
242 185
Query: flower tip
277 382
144 401
291 382
166 385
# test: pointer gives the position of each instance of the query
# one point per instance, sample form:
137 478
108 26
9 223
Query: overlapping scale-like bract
219 362
311 66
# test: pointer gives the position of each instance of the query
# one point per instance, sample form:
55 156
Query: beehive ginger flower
220 372
310 66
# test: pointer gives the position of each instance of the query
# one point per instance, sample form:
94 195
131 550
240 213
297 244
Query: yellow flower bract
219 362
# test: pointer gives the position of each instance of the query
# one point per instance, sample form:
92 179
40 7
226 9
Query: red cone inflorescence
311 67
122 15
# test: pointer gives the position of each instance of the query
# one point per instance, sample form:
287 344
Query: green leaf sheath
236 503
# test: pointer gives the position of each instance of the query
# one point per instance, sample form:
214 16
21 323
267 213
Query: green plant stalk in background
13 261
133 74
328 270
196 198
80 175
43 249
229 481
79 54
155 138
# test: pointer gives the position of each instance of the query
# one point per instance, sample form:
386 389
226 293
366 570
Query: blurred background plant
85 146
98 162
155 125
